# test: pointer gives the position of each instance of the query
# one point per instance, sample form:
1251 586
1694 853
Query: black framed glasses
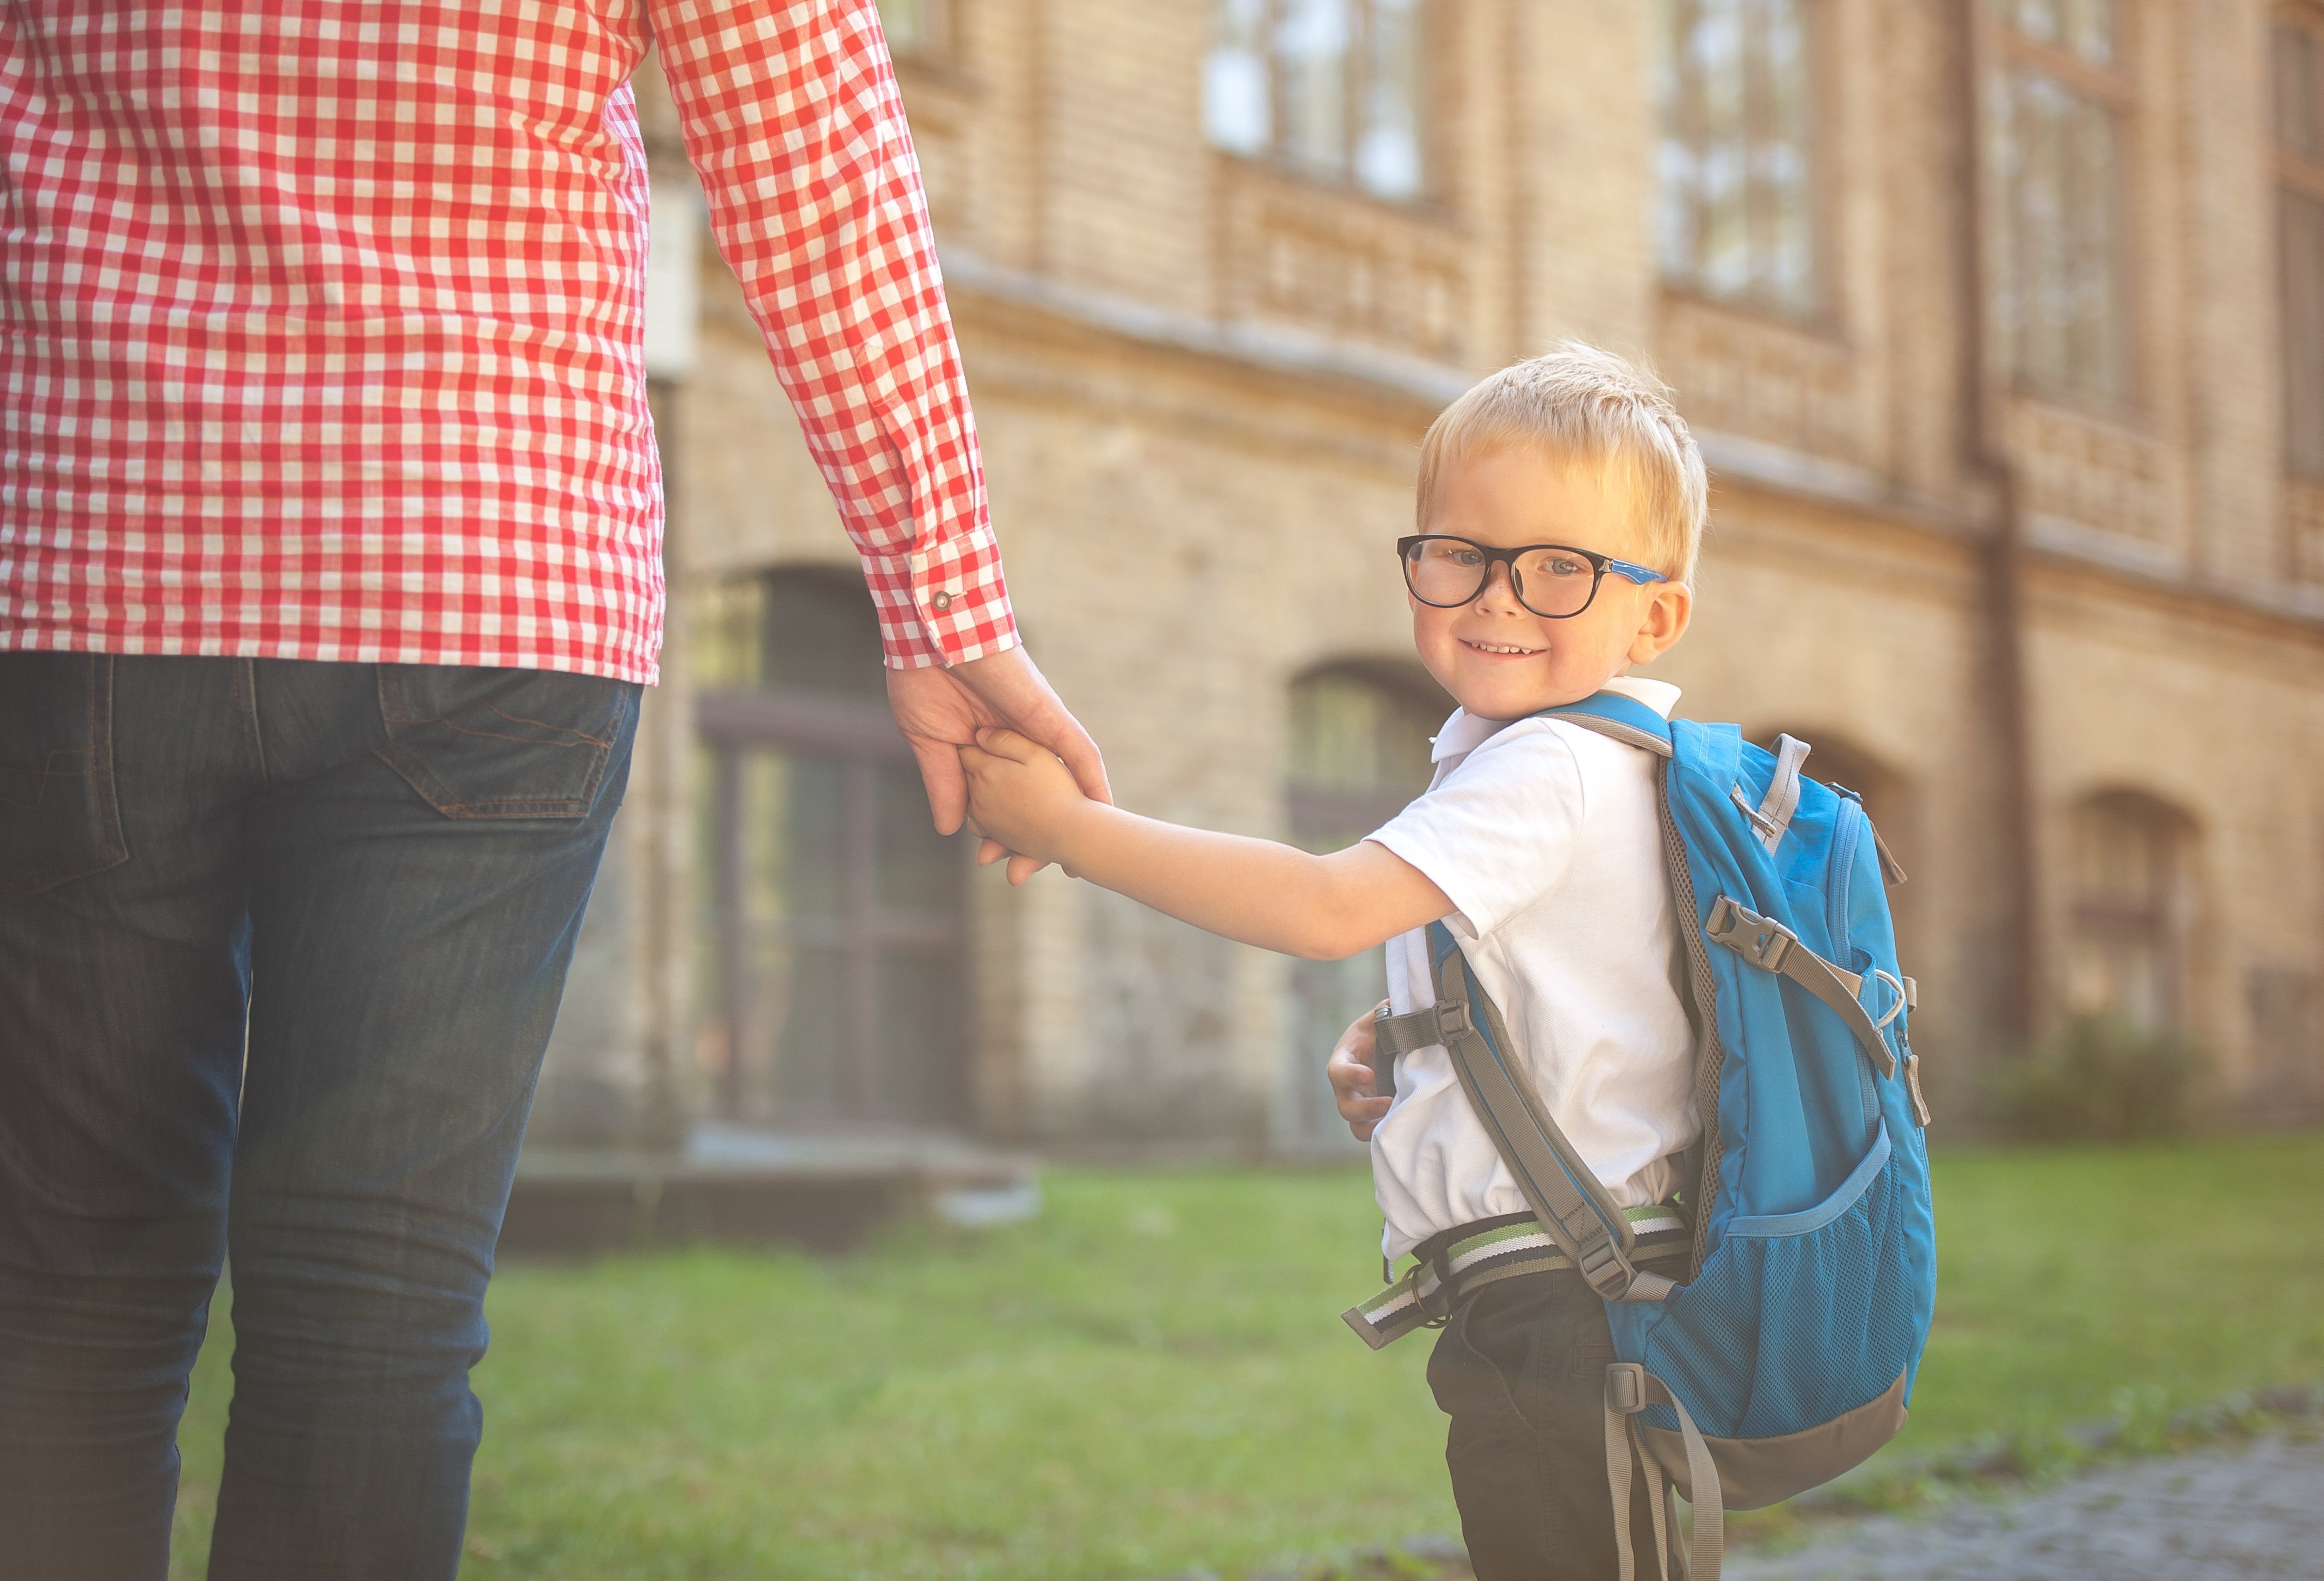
1553 580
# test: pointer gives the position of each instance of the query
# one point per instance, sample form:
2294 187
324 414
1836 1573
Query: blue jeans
280 944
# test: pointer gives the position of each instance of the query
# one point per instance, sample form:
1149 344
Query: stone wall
1201 382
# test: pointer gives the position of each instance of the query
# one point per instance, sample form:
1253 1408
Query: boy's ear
1664 623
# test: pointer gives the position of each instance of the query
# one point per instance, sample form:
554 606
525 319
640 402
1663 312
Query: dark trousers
1521 1370
280 944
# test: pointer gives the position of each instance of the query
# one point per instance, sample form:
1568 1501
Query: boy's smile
1500 660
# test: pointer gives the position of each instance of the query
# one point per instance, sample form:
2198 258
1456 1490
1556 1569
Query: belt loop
1433 1253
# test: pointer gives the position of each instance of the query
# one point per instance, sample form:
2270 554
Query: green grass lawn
1152 1377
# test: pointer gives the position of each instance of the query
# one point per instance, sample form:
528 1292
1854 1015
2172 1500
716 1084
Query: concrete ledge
826 1191
1279 349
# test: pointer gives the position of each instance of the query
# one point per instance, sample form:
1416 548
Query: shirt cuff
945 605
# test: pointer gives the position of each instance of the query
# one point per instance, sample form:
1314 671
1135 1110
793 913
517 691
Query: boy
1560 506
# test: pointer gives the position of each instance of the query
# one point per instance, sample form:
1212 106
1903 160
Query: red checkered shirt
323 333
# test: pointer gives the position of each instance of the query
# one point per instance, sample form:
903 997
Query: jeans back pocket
479 742
58 816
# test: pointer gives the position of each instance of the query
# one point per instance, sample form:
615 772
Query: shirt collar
1465 732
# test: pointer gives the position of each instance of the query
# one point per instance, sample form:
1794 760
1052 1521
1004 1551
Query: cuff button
940 603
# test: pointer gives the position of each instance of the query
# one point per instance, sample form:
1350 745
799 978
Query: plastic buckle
1762 941
1603 1270
1452 1019
1773 942
1626 1388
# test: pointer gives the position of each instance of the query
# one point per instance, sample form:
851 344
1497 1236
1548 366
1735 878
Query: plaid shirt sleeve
792 117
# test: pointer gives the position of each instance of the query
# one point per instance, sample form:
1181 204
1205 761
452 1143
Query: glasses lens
1444 570
1555 581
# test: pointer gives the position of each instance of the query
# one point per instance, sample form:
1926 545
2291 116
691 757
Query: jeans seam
246 688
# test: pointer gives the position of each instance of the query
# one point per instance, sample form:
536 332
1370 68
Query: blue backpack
1777 1348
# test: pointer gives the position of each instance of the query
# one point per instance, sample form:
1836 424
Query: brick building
2001 323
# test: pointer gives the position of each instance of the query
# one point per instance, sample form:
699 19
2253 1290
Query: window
1360 750
2126 853
1329 88
913 27
832 914
2300 223
2056 96
1739 210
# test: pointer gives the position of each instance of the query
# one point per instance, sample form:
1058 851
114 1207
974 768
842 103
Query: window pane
794 818
2301 225
1387 152
919 870
907 23
795 1052
1736 161
1311 62
2054 170
727 622
818 634
1236 113
2124 865
2085 27
1351 734
1326 995
922 1011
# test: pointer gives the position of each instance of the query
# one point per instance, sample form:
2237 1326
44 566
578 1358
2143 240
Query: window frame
734 722
1824 312
1429 22
2159 920
1997 47
1324 814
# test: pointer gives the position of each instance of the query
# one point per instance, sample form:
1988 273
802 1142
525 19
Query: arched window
1329 88
1737 156
2126 855
833 910
1360 747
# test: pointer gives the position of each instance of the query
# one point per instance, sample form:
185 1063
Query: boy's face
1498 658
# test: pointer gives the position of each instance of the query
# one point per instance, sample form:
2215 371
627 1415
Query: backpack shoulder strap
1564 1192
1625 719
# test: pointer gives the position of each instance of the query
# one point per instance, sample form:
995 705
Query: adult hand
941 709
1350 1071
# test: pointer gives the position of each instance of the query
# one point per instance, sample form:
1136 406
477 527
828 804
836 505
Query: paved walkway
2236 1513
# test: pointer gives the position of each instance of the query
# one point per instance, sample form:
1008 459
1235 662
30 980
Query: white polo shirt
1547 839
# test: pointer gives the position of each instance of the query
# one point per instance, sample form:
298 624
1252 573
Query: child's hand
1350 1071
1020 796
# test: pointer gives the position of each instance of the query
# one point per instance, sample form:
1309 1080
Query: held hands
1350 1069
941 709
1021 798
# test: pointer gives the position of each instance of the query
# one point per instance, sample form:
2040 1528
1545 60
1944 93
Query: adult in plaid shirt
330 571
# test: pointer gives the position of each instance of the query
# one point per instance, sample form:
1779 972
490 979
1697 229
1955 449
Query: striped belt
1447 1266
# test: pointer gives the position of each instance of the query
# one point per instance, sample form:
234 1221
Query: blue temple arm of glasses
1641 575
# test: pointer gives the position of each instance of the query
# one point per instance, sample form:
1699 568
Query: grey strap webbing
1562 1191
1629 1390
1771 947
1782 798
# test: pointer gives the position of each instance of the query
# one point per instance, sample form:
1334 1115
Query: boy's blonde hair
1592 407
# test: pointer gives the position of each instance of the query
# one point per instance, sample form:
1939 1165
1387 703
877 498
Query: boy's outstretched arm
1324 908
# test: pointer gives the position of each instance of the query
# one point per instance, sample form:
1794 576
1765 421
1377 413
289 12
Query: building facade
2001 323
